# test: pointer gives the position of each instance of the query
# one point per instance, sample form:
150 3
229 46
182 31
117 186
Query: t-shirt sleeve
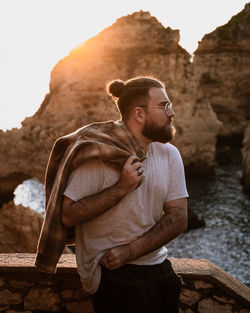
85 180
177 184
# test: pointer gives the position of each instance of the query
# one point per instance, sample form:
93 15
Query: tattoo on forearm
170 226
95 205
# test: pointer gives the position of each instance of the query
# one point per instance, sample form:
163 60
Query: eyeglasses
166 107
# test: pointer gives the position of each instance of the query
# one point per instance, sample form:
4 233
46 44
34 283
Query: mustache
170 120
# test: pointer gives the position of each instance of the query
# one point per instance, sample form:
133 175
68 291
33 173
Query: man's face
158 125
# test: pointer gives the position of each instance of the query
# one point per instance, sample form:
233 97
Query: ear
139 114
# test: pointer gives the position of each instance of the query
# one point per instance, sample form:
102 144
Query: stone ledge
205 270
188 268
25 262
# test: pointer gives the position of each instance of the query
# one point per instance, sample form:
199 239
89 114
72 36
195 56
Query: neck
143 141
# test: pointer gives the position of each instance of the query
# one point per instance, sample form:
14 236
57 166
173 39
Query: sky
36 34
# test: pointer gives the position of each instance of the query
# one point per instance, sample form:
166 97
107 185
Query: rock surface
218 79
222 71
48 300
8 297
19 228
136 44
211 306
246 159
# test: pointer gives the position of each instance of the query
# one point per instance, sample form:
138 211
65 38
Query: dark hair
130 93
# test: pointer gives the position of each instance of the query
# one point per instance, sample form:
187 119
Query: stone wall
206 288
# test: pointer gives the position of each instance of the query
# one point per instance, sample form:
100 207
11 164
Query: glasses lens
168 106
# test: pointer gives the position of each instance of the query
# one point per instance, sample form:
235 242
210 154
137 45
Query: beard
161 134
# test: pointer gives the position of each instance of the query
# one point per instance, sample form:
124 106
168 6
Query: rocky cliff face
246 159
222 71
19 229
135 44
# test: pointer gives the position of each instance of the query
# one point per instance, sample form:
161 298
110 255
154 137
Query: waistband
165 265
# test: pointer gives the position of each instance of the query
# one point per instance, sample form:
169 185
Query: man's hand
132 174
173 223
86 209
115 257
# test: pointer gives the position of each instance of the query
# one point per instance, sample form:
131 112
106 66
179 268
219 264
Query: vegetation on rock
232 29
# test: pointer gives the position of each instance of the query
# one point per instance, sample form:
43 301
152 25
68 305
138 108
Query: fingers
107 257
112 266
132 174
108 261
133 164
104 258
131 159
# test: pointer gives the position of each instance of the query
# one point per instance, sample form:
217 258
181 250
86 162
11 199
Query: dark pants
138 289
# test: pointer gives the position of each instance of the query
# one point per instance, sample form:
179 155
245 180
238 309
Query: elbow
66 218
181 223
184 223
66 221
66 213
184 226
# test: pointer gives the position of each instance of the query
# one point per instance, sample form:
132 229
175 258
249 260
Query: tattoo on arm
172 224
99 203
88 208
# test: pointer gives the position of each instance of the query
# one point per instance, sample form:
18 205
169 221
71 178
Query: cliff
136 44
19 228
246 159
222 71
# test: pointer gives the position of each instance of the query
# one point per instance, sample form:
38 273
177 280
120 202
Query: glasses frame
166 107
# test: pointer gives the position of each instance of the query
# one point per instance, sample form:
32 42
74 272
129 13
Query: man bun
135 91
116 88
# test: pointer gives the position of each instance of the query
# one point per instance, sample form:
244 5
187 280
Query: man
123 219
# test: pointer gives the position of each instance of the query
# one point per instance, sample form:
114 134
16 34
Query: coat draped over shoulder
110 141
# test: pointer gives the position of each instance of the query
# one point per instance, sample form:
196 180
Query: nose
170 112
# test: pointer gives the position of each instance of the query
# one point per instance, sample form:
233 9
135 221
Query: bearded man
123 219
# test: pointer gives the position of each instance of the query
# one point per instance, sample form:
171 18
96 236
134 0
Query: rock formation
136 44
246 159
222 70
19 228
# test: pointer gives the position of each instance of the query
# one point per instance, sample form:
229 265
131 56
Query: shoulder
166 152
90 165
89 168
165 149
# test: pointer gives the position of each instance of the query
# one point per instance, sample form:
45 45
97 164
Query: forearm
170 226
90 207
173 223
84 210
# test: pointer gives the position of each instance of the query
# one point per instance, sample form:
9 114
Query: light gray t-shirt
134 215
